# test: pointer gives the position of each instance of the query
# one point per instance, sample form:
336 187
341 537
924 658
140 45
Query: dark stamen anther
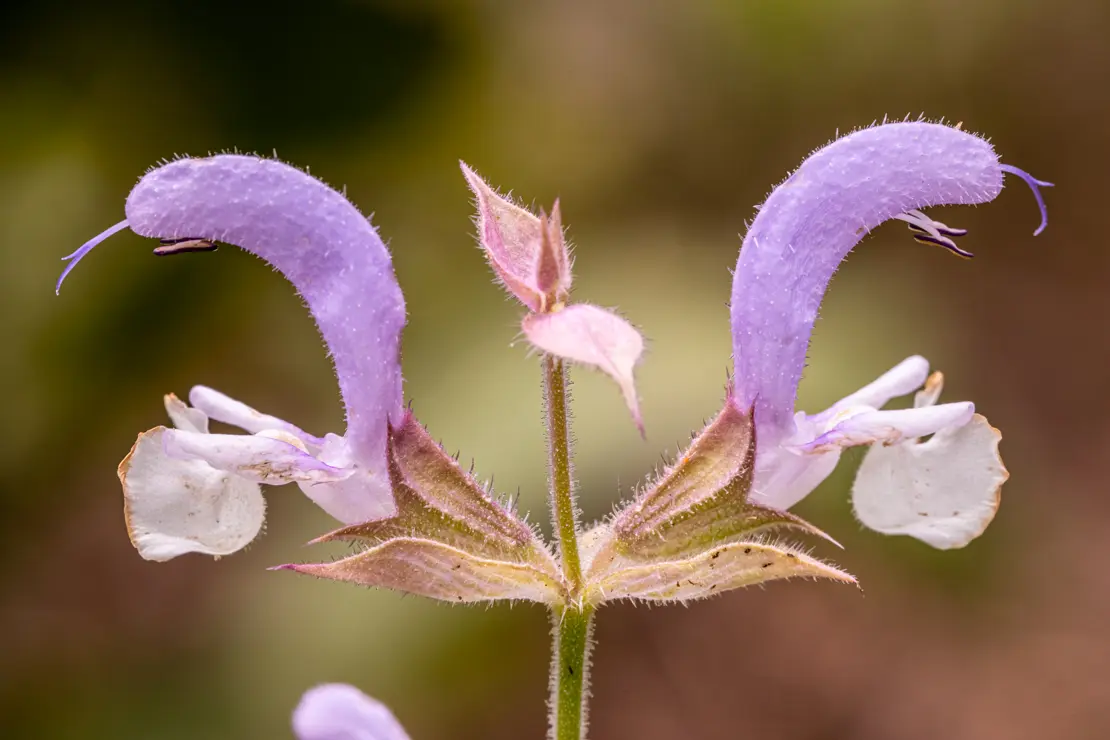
181 246
947 244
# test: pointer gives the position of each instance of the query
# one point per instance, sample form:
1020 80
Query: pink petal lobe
593 336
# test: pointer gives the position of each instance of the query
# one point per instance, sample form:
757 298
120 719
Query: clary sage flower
187 490
428 527
710 522
943 491
338 711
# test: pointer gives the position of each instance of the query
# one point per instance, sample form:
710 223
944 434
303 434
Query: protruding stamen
87 247
929 231
181 246
1035 185
948 244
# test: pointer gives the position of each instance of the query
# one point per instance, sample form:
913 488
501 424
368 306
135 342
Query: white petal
258 457
783 477
944 491
889 427
364 496
226 409
173 506
904 378
341 712
183 417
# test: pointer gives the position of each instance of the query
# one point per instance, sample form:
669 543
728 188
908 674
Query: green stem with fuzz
570 666
563 510
572 623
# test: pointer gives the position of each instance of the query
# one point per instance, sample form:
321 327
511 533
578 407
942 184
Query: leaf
438 571
712 572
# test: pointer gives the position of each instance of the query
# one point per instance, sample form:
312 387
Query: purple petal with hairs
811 221
320 243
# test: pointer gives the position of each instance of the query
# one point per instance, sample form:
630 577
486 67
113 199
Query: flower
187 490
338 711
943 491
530 258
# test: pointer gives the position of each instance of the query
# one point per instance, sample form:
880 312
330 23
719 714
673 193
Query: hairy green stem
563 510
570 666
571 623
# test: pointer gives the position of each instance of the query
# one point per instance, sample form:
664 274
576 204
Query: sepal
666 544
449 539
700 501
438 571
711 572
528 253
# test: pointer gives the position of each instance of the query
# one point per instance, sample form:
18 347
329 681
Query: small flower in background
530 257
338 711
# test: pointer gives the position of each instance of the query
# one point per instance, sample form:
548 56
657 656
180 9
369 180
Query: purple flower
338 711
944 490
187 490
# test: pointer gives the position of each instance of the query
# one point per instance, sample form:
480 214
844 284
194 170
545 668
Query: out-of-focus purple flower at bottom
339 711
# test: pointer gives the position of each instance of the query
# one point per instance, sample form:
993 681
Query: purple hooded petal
338 711
320 243
811 221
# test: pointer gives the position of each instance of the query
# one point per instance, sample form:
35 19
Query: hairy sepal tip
528 253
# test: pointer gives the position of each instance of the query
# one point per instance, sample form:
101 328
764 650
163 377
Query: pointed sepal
715 468
437 500
714 571
699 502
439 571
528 253
449 539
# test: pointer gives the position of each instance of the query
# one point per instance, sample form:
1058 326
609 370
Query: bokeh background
660 125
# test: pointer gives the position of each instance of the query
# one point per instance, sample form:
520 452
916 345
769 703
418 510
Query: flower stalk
570 665
573 621
564 512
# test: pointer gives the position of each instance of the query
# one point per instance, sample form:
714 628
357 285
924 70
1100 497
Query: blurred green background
660 125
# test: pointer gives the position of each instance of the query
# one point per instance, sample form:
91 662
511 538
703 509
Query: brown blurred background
660 125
